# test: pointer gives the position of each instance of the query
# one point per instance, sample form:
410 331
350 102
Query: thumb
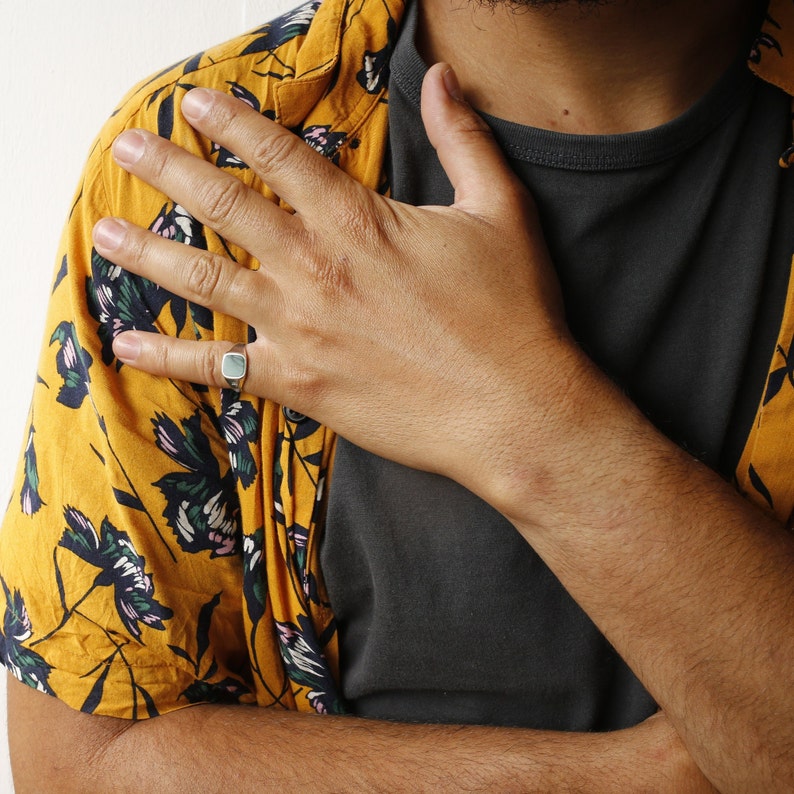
464 143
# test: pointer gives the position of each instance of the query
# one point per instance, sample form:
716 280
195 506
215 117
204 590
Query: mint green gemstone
233 366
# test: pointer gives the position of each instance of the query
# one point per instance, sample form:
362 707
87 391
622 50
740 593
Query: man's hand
413 332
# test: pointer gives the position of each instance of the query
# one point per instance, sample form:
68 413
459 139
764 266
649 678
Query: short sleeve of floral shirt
160 547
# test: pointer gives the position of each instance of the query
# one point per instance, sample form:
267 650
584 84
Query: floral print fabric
764 470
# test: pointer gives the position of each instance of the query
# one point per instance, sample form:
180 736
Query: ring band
234 367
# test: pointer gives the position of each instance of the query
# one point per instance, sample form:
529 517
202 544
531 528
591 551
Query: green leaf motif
30 499
120 567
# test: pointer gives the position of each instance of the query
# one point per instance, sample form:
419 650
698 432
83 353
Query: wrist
570 455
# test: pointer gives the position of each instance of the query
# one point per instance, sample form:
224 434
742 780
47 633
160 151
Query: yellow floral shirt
161 545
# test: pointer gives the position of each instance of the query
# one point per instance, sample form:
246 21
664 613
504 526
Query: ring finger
199 276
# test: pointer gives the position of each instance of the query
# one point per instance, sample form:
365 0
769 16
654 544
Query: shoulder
249 65
305 46
323 65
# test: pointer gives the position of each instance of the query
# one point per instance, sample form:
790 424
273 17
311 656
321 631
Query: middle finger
217 199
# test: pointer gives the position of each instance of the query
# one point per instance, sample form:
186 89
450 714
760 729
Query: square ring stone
233 366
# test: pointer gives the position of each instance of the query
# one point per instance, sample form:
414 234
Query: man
435 338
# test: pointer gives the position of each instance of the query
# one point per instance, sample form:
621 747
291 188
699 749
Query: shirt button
293 416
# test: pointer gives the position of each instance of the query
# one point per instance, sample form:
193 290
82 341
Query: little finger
246 369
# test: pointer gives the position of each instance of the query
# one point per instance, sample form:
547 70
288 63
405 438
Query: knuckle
469 123
208 365
332 274
221 200
330 260
222 116
356 218
160 355
358 225
203 278
272 154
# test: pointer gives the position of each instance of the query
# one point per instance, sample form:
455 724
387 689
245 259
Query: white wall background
63 68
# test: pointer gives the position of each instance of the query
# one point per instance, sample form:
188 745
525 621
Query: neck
623 66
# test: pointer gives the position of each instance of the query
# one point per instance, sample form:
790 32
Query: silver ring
234 367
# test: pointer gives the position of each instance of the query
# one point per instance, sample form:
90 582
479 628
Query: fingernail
109 234
128 148
127 347
452 85
196 103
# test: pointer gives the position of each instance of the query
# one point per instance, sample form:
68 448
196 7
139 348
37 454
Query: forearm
691 583
219 748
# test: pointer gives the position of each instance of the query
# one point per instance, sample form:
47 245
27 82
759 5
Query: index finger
309 182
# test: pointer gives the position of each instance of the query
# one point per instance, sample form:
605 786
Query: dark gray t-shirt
672 247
